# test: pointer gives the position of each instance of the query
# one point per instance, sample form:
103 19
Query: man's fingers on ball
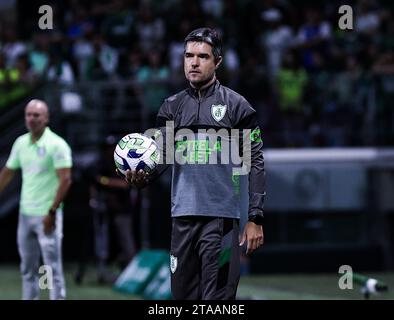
129 176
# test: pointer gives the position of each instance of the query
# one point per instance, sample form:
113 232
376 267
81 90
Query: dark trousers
205 258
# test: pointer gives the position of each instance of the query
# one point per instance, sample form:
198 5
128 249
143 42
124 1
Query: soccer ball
136 151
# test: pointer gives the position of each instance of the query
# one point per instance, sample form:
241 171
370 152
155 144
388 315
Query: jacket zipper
198 110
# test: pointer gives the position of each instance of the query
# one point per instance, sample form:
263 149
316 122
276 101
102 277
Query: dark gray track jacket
198 186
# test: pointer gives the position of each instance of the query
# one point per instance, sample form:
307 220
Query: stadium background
323 95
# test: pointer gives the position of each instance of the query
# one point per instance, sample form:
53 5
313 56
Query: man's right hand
136 179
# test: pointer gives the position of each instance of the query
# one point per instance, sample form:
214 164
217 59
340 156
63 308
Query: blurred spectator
175 55
3 70
368 19
176 48
15 81
275 40
25 74
150 29
129 68
231 22
12 46
39 55
313 36
83 53
78 21
118 24
252 86
291 82
230 67
59 69
213 7
3 81
104 62
152 84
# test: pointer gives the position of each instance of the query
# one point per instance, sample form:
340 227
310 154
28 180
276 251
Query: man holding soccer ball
205 244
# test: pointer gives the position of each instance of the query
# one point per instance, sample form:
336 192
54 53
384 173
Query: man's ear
220 59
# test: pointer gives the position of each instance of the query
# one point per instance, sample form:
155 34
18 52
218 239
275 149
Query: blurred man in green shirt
45 161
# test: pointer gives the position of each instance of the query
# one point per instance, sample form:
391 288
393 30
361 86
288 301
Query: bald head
36 117
38 105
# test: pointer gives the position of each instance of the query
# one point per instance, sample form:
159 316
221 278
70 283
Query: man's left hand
254 236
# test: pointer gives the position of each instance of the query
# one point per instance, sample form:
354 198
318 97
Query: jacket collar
206 92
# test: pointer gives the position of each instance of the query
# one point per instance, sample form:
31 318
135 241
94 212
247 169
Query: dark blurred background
324 98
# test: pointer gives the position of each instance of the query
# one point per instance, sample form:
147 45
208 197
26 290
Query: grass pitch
259 287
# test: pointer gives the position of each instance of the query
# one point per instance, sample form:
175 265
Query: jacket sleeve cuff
256 212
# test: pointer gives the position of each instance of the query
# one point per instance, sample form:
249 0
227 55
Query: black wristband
52 212
256 218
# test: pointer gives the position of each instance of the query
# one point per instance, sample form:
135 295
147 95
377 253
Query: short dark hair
207 35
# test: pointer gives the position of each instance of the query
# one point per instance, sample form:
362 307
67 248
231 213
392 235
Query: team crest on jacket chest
173 263
218 111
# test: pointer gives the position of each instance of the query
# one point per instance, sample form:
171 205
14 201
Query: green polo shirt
39 162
